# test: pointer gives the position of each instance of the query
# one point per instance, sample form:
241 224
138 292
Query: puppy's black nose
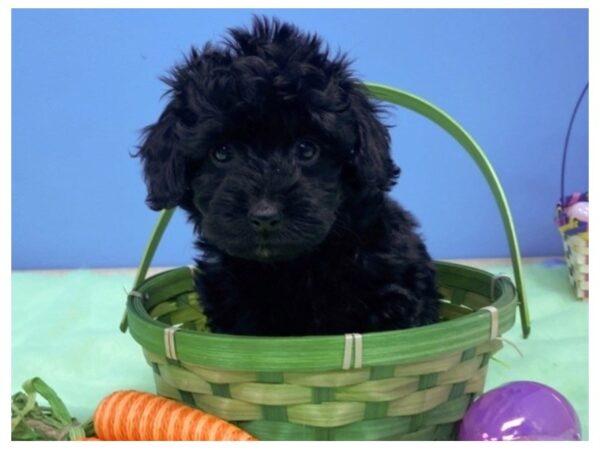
264 216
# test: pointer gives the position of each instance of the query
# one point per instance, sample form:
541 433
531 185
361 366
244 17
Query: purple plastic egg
521 411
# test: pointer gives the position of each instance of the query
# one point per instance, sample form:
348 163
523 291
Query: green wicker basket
413 384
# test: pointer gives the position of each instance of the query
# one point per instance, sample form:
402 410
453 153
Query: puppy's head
268 143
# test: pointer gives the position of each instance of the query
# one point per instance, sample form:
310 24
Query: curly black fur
277 154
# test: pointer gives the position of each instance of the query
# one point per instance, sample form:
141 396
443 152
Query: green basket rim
322 353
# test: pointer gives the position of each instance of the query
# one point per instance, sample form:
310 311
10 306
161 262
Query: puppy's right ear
163 163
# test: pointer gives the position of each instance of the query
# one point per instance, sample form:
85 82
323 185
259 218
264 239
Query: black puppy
276 152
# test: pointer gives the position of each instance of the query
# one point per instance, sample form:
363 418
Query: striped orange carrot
139 416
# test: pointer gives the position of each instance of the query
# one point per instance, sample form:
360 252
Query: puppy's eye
306 151
223 154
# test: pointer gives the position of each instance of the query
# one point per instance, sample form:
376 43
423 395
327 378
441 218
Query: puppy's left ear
163 163
371 157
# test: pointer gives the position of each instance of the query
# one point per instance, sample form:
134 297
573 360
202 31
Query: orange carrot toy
122 416
138 416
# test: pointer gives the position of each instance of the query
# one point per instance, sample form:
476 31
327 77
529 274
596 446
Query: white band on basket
358 350
169 336
136 294
495 329
352 344
348 344
494 315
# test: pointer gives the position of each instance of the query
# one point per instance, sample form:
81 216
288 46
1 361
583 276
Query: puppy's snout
264 216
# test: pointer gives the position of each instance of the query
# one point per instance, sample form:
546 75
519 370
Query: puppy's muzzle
265 217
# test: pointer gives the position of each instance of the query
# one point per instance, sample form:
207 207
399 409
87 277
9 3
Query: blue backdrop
86 81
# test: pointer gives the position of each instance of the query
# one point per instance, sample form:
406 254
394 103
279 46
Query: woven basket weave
576 244
413 384
577 253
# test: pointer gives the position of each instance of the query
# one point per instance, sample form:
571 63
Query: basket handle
566 145
446 122
159 229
